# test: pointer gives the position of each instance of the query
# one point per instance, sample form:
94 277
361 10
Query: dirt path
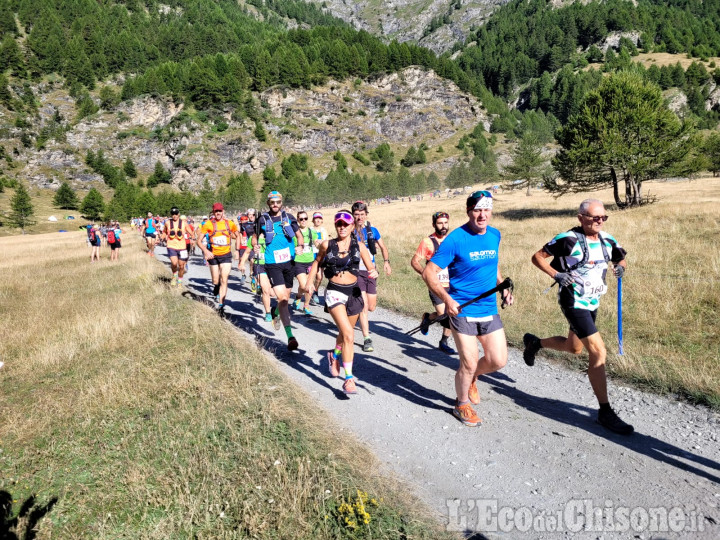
539 464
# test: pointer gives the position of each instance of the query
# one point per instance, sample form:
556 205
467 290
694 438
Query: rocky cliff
435 24
403 109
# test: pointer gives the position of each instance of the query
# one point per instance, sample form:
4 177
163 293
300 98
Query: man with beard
427 248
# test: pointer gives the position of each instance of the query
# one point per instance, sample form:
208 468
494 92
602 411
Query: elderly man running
579 265
470 253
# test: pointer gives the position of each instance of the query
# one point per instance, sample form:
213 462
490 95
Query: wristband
387 260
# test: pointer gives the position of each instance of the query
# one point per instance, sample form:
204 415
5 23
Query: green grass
145 416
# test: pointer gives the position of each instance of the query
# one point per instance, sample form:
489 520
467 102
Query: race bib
333 298
183 255
594 285
444 276
220 240
281 255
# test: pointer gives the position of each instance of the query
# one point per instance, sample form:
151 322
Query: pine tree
129 168
22 210
65 197
93 205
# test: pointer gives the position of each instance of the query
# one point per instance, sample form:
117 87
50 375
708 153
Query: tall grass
671 290
146 416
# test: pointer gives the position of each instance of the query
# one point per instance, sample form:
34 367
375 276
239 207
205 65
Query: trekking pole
507 283
619 317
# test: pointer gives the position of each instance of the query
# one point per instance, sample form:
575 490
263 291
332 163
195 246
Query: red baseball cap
218 206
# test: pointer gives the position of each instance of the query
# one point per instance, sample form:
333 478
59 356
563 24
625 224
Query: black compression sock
444 339
216 289
605 407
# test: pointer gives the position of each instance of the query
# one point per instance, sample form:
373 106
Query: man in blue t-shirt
150 233
370 236
470 253
279 229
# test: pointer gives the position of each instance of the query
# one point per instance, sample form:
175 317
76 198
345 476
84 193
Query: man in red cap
218 252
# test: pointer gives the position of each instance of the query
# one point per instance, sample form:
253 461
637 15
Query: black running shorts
221 259
582 321
280 274
347 295
366 283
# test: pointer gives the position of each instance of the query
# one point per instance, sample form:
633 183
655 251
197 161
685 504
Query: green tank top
307 255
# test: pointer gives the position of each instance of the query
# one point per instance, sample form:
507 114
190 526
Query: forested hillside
206 72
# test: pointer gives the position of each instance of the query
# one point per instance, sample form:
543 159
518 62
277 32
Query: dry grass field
129 411
671 290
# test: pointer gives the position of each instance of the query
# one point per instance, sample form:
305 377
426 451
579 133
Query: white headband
484 203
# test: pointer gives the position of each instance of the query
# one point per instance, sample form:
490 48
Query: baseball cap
274 195
218 206
174 210
317 215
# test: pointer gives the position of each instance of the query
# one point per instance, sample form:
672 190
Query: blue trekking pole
619 317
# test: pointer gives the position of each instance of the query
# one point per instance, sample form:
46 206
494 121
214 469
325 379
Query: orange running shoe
466 414
473 394
349 386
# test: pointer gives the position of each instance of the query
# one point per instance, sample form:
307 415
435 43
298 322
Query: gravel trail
538 466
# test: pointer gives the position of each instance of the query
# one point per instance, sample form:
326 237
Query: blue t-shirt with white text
472 263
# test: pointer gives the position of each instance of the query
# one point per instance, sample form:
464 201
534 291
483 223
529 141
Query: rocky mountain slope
402 109
435 24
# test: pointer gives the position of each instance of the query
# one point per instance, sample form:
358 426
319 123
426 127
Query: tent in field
52 218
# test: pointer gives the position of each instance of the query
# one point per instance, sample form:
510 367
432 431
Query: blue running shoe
447 349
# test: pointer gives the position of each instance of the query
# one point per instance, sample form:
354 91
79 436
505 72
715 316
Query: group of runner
107 233
456 265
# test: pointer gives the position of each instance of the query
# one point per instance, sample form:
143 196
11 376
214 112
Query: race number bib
333 298
220 240
281 255
594 285
444 276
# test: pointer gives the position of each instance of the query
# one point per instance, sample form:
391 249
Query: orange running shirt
426 250
222 237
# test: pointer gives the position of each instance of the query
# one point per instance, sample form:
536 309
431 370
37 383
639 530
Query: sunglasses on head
481 194
596 219
344 217
439 215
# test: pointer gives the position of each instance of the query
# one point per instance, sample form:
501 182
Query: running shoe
349 386
444 347
611 421
532 346
306 311
466 414
425 324
268 318
276 322
293 344
253 284
242 279
367 345
298 304
473 394
217 298
316 299
333 364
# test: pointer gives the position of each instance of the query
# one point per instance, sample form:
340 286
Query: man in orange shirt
174 232
220 231
427 248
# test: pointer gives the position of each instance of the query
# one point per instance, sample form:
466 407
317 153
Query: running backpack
226 232
269 232
111 236
92 235
370 237
331 262
582 240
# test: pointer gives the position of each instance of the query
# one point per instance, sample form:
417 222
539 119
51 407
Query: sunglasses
596 219
344 217
481 194
302 219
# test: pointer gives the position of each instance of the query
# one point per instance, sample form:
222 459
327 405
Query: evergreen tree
65 197
93 205
129 168
159 176
528 164
711 149
624 133
21 209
